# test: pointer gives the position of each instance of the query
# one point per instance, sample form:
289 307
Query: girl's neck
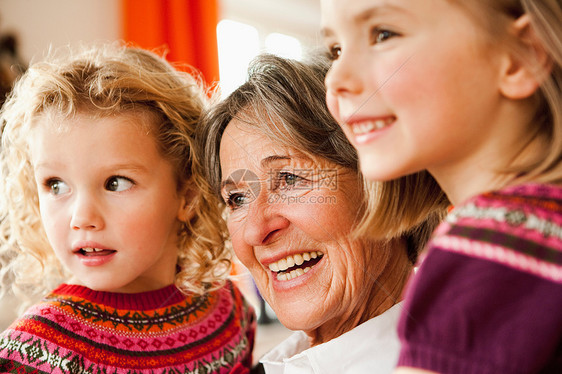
492 164
461 185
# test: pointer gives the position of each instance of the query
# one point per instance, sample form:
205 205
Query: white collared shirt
371 347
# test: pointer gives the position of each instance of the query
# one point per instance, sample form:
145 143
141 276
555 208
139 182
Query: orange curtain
184 28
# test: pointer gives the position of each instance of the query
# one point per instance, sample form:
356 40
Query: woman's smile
298 248
293 266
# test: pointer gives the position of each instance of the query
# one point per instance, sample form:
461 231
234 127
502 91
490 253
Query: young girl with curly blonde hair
102 192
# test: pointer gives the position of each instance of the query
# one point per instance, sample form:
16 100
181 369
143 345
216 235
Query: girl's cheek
333 105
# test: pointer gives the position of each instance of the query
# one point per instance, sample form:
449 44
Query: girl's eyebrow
130 167
376 10
367 14
121 166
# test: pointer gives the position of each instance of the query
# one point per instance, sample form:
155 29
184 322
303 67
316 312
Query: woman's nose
265 222
86 213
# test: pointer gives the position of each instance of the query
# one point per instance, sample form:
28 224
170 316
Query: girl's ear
187 196
525 69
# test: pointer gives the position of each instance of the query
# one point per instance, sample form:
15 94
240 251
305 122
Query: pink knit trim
500 255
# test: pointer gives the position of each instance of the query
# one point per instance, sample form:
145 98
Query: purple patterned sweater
488 295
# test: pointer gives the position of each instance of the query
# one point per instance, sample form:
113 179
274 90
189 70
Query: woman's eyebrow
265 163
227 182
271 159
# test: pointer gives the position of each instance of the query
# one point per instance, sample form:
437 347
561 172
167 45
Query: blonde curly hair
104 80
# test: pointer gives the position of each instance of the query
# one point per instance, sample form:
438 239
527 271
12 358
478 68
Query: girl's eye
235 200
334 52
381 35
118 184
57 187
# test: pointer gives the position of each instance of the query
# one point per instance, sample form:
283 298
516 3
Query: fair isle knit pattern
520 227
78 330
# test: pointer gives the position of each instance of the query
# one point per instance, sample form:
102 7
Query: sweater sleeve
469 315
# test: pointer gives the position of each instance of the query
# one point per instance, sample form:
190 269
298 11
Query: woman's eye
118 184
289 180
381 35
57 187
236 199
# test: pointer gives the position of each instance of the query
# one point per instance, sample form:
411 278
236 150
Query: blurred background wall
212 35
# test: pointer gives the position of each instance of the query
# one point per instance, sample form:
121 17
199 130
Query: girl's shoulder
540 194
513 205
518 226
232 295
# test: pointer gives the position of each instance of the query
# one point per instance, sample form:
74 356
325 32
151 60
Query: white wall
297 18
40 23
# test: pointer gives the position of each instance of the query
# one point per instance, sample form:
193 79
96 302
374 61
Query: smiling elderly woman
294 196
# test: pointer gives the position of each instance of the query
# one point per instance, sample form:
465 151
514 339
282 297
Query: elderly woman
294 195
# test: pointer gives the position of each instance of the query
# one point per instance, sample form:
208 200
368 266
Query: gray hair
286 100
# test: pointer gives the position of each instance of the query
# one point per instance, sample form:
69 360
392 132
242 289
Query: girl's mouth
364 127
92 252
294 266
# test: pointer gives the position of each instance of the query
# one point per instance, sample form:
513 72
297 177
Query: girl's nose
344 77
86 214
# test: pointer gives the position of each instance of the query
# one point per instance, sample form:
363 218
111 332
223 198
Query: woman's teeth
365 127
292 274
290 261
293 260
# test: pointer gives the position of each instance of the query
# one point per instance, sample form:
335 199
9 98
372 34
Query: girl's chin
374 174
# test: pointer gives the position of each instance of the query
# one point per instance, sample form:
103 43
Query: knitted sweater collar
149 300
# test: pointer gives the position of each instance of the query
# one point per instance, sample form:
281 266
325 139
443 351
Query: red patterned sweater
78 330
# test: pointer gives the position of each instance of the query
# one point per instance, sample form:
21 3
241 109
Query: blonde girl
471 92
102 194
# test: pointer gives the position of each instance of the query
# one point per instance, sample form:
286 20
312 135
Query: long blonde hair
104 80
495 17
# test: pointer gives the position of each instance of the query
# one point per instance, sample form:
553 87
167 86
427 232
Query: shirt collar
373 344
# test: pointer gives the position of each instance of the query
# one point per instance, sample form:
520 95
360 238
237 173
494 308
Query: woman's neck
386 293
